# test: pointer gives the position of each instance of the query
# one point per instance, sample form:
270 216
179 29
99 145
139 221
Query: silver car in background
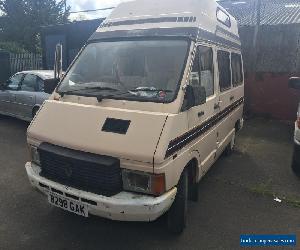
23 94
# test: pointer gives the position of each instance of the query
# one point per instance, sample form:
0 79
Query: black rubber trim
228 33
193 33
183 140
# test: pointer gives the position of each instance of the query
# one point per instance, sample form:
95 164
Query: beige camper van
146 108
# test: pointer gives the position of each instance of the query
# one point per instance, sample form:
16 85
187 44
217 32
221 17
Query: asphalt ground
236 197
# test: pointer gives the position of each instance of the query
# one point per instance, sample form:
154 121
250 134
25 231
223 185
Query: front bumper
124 206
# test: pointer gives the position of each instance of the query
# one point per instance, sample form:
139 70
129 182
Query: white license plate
68 205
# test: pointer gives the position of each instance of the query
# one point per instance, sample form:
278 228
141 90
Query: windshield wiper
77 91
146 89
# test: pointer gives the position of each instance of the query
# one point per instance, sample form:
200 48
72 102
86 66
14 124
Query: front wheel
295 165
178 212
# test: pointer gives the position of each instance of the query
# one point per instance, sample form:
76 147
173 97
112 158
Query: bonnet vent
117 126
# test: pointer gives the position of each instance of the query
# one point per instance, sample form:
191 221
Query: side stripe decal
181 141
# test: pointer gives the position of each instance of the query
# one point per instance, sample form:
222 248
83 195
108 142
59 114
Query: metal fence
25 61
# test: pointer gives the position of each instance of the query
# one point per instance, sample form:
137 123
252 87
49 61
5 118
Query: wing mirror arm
50 85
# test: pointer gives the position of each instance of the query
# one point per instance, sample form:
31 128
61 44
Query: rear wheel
230 147
178 211
296 165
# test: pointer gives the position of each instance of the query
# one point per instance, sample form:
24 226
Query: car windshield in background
144 70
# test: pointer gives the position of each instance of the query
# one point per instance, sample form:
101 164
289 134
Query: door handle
201 114
231 98
216 106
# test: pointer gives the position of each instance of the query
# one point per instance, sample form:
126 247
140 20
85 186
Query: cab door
200 117
226 98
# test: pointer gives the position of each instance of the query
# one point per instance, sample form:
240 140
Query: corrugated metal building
270 34
272 12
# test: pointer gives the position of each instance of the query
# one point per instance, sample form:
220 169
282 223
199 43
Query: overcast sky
78 5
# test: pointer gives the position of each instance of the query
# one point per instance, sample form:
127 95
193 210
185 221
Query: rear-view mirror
50 85
294 83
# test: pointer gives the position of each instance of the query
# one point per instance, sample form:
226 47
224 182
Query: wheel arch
35 109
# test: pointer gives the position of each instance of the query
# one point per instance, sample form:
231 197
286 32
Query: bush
12 47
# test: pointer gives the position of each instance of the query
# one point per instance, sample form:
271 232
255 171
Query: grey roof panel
273 12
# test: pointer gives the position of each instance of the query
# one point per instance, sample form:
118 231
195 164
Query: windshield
145 70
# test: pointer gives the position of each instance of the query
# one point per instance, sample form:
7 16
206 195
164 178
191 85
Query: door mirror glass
189 97
200 95
294 83
50 85
194 96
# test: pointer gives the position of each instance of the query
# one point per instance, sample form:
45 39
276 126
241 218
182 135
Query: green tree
22 20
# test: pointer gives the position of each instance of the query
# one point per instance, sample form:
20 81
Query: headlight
34 155
141 182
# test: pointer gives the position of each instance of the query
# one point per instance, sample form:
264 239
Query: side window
224 70
29 83
14 82
237 71
195 76
223 17
206 70
202 74
40 85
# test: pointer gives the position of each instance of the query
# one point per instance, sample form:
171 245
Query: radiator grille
88 172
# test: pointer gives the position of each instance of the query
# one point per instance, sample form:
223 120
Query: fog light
141 182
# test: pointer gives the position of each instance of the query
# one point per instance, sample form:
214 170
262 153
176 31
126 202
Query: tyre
178 212
193 190
230 147
296 165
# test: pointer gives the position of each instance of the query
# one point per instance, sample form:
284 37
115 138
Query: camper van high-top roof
205 20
